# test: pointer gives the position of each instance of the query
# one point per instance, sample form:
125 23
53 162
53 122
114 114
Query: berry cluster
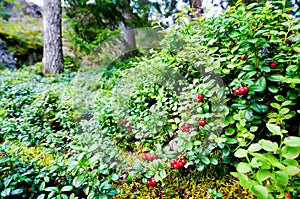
241 91
149 156
185 128
177 164
151 182
199 98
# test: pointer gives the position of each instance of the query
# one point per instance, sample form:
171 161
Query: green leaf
262 82
189 145
105 185
205 160
292 141
297 49
281 178
275 105
212 50
42 196
268 145
241 153
17 191
248 114
163 174
171 154
66 188
279 98
260 191
214 161
249 68
234 34
292 68
52 189
295 27
274 129
292 170
114 192
229 131
253 128
78 180
290 152
263 175
273 89
243 167
290 162
6 192
239 106
114 177
254 147
231 141
259 108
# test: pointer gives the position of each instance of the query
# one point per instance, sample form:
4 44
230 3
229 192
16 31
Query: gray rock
7 59
29 9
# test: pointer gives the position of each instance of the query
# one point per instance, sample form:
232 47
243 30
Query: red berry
130 123
123 122
273 65
287 41
200 96
180 164
154 157
148 183
176 166
242 90
65 149
145 156
237 92
129 129
173 162
151 182
201 122
185 128
183 160
142 119
246 89
198 100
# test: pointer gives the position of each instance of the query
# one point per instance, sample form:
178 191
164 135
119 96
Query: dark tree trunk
197 5
52 55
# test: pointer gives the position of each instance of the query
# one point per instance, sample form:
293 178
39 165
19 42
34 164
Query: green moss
22 39
186 184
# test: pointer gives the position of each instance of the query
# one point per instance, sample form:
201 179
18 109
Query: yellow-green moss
192 185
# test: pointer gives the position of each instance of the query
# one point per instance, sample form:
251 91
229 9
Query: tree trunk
52 55
197 4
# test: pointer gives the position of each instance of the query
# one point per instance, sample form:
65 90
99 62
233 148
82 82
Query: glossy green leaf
263 175
254 147
290 152
292 141
243 167
66 188
241 153
78 180
259 108
260 191
274 129
268 145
